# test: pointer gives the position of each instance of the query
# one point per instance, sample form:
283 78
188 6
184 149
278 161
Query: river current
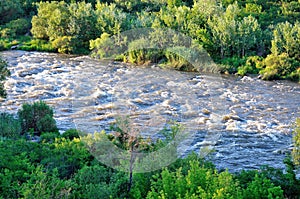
246 121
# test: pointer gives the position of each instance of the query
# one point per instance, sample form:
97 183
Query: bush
10 127
46 185
49 137
231 65
198 182
67 156
140 53
37 116
261 187
252 66
279 67
4 72
15 27
71 134
38 45
63 44
295 75
93 182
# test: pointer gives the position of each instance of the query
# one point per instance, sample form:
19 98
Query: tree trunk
132 159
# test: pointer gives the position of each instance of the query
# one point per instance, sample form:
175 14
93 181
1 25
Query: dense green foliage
10 127
61 166
4 72
37 117
231 32
296 139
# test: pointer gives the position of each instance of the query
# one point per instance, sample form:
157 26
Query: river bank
247 121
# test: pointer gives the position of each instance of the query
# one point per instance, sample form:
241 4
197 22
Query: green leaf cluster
37 117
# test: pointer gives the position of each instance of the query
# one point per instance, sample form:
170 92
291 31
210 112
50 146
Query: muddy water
245 120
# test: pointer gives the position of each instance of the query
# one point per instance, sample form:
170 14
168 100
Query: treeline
38 162
244 37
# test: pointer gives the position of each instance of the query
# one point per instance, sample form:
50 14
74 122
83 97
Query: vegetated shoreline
62 165
253 37
221 71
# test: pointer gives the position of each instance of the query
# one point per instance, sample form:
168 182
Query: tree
111 19
10 10
82 24
232 36
51 21
286 39
128 138
249 34
296 141
37 116
224 30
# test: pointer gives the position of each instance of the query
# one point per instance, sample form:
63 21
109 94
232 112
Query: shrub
140 53
102 47
71 134
231 65
278 67
63 44
15 27
10 127
295 75
67 156
46 185
49 136
198 182
38 45
252 66
37 116
93 182
7 33
4 72
261 187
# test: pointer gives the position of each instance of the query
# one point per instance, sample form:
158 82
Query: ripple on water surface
246 120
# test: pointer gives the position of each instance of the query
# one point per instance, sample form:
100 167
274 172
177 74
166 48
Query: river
246 121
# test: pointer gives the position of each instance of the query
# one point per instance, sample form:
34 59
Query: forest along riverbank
246 120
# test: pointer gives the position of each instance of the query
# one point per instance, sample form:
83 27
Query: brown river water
246 121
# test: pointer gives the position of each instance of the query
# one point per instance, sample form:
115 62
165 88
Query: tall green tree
111 19
82 23
231 35
51 21
10 10
286 39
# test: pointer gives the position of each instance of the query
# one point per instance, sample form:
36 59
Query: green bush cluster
280 66
37 45
4 72
37 117
65 168
16 27
10 127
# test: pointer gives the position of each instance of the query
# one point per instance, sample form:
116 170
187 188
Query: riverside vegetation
60 166
243 37
36 161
